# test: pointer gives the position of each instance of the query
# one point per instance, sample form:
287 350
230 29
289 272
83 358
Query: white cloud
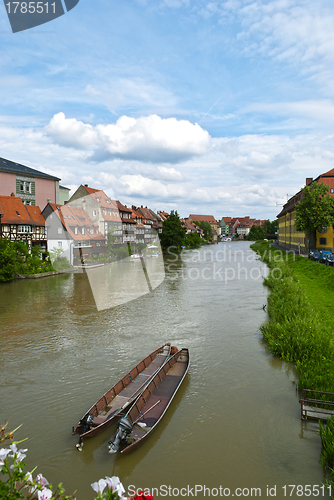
297 32
321 111
150 138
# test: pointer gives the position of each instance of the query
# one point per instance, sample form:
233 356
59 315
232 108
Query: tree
270 228
193 240
315 211
256 233
173 232
206 226
12 257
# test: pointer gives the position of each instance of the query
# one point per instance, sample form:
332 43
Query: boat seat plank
167 386
177 369
132 387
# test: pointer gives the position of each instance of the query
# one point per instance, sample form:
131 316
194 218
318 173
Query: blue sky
220 107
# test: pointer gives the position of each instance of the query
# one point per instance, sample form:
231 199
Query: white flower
41 480
20 454
116 485
99 486
44 494
3 453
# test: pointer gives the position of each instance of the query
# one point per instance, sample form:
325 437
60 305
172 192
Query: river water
235 422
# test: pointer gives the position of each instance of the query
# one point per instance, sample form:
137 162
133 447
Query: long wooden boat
113 403
147 411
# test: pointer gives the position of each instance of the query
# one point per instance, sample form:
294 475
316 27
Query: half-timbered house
24 223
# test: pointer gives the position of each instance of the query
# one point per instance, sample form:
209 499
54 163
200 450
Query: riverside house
287 234
72 231
207 218
31 186
23 223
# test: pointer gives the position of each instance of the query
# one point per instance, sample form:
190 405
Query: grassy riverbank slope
300 325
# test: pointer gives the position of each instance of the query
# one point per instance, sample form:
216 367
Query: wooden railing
317 407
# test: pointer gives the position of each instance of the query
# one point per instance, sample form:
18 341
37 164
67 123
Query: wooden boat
147 411
112 404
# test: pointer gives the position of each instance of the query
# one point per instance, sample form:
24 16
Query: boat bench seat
98 420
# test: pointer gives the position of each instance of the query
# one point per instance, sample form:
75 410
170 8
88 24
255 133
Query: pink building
32 186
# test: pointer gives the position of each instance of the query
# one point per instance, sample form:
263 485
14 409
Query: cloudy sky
212 107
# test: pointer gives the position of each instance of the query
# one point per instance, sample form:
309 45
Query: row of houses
230 226
36 210
289 237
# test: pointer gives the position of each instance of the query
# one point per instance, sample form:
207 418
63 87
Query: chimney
309 180
12 194
86 185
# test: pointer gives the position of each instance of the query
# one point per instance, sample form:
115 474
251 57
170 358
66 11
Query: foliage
256 233
316 210
58 260
34 263
193 240
267 230
327 438
300 327
173 232
16 259
270 228
206 226
16 484
12 255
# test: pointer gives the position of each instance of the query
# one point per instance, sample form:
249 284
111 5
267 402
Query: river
235 422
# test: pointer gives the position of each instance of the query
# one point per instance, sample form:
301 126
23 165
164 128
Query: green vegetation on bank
267 230
15 258
174 235
300 326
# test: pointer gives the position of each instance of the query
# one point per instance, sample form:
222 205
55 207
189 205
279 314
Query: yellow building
290 238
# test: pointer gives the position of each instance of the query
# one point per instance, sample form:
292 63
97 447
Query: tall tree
315 211
173 232
206 226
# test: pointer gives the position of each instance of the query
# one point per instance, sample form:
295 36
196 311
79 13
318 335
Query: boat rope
135 380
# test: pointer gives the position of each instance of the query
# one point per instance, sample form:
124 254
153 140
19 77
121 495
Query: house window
24 229
60 230
332 190
25 187
60 244
82 230
94 213
75 230
323 241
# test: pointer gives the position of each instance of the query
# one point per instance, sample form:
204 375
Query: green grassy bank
300 327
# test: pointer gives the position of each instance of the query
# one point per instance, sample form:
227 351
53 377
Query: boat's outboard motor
86 423
123 430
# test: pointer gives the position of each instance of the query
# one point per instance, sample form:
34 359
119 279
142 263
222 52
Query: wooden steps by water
316 405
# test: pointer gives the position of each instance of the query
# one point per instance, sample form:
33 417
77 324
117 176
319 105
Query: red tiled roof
72 217
15 212
35 214
200 218
90 190
146 213
123 208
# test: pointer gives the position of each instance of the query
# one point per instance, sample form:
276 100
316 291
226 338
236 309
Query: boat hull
122 395
150 407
